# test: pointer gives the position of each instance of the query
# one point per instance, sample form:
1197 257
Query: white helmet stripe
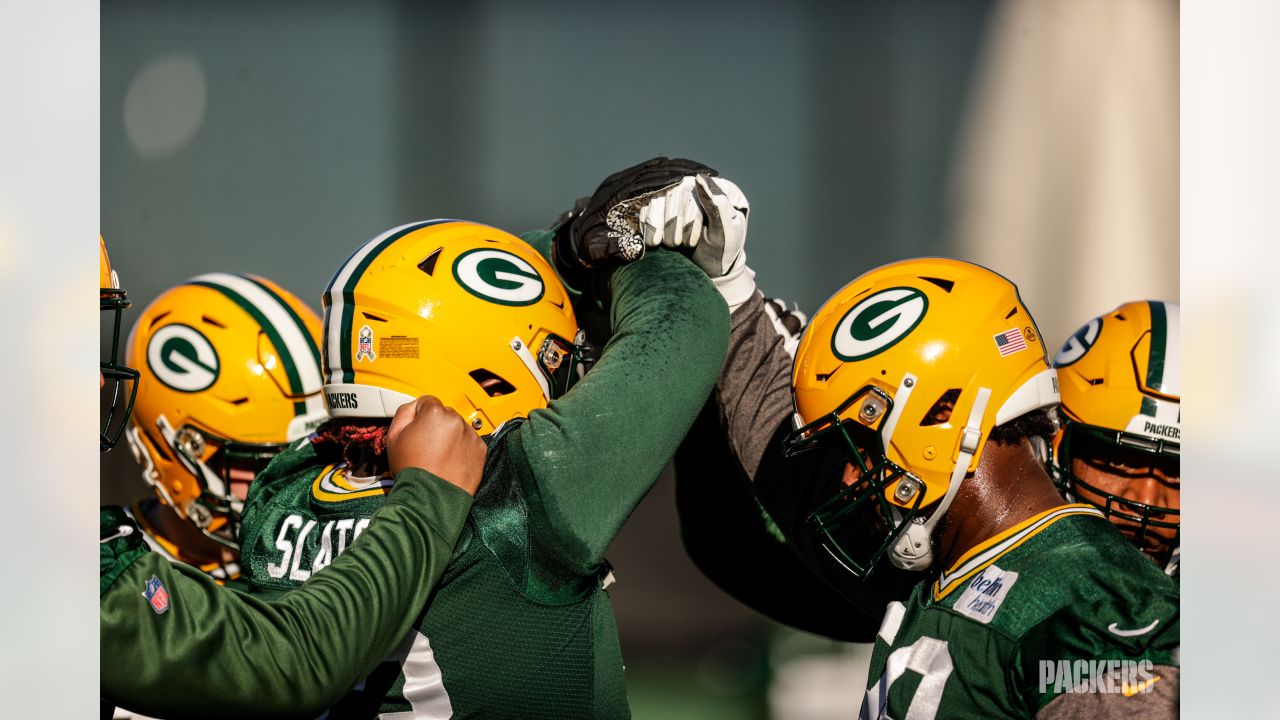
1171 383
297 343
334 305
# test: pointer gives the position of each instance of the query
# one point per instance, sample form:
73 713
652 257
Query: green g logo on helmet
878 323
498 277
182 358
1079 343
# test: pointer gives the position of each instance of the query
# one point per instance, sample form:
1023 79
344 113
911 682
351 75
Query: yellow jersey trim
996 547
332 485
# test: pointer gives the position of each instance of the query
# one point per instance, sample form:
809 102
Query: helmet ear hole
156 445
428 265
491 383
942 408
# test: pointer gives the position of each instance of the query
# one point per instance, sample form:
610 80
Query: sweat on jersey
519 625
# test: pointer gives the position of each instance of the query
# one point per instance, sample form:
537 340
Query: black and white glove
789 323
605 230
706 217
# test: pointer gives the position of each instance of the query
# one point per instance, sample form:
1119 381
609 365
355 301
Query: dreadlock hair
360 442
1042 423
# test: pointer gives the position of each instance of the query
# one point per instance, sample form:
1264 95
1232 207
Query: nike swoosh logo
1131 690
1115 629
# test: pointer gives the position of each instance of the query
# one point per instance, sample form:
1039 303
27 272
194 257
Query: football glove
604 231
789 323
705 217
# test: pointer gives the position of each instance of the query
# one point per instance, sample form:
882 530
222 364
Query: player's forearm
289 657
754 387
727 537
594 453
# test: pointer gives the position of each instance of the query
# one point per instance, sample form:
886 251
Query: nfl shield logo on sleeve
156 594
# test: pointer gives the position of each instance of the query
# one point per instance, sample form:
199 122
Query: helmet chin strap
913 550
212 481
521 349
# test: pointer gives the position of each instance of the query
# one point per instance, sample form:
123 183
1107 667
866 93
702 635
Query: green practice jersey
519 626
1031 615
174 643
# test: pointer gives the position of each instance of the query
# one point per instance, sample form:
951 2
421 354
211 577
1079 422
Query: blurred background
1038 137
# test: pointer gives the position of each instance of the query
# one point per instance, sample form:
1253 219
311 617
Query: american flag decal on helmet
1010 342
156 594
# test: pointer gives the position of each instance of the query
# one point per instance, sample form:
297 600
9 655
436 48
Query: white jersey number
930 659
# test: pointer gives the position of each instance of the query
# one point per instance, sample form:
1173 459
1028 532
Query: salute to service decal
365 351
498 276
878 323
182 358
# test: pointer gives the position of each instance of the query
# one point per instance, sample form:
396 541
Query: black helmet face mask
1153 528
120 382
853 521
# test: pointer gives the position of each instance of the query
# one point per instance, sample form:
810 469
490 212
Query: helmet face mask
847 523
564 363
1152 528
216 510
122 378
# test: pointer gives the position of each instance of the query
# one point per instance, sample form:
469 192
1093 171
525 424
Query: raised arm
592 455
197 649
729 538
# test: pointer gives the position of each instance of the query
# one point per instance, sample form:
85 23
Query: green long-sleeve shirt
176 644
519 625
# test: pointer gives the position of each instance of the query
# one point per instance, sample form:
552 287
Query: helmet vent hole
944 284
159 447
1012 312
371 316
210 321
1096 381
428 265
239 401
156 320
942 409
492 384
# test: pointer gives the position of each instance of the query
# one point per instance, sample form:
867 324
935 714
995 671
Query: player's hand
426 434
788 322
672 218
705 217
605 231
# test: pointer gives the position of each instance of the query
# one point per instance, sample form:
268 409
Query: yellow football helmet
455 309
910 366
1121 391
112 298
231 375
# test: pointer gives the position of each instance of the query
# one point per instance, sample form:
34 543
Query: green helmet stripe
293 314
223 283
339 297
1159 344
1149 406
